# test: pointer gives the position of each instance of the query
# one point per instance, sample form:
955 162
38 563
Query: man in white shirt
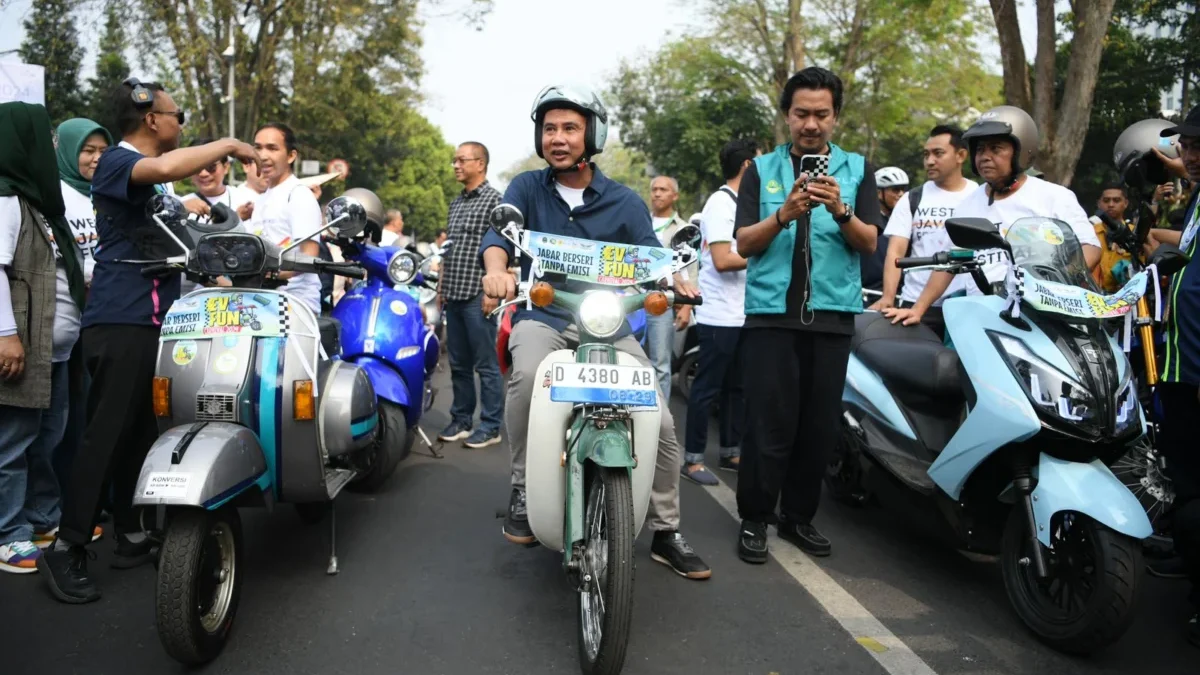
211 187
660 330
393 231
719 323
287 211
917 227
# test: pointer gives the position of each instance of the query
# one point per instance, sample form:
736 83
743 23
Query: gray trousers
530 342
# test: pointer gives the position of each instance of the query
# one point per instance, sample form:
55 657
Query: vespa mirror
977 234
1169 259
504 215
688 235
348 215
169 213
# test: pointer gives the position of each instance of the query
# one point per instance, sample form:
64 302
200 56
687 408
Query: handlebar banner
208 314
599 262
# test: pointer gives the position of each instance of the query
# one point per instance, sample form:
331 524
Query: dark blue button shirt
611 212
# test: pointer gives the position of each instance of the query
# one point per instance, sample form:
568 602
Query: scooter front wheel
606 598
199 583
1086 603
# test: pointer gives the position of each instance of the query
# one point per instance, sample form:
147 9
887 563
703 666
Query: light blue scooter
1003 439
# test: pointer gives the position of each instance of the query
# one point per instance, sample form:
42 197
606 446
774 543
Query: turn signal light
303 406
656 303
542 294
162 397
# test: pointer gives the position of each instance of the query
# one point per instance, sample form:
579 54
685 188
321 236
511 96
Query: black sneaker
1168 568
730 464
65 570
752 542
130 554
516 524
671 549
805 537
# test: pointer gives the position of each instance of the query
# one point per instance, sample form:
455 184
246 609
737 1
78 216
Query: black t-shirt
866 208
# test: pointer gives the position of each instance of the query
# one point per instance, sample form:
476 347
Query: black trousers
120 429
1181 409
793 402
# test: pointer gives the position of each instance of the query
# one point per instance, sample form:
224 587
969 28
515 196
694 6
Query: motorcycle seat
331 330
906 357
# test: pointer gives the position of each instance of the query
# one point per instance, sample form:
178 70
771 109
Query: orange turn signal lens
656 303
162 397
542 294
303 406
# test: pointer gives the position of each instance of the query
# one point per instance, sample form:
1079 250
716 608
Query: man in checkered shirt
470 335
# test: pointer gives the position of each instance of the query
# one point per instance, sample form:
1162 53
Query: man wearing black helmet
572 197
1002 144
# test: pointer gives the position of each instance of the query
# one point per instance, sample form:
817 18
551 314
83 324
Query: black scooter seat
331 330
906 357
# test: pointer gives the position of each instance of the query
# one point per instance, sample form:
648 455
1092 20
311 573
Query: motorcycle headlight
1127 404
402 268
1051 390
601 314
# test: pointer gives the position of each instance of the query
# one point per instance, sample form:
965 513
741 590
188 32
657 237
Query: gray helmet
1009 122
370 202
580 99
1134 157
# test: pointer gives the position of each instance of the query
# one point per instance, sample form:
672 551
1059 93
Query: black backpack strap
729 191
914 199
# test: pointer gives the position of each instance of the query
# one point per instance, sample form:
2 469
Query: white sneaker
19 557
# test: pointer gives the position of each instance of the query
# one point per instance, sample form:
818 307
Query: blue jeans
660 343
30 499
471 343
719 377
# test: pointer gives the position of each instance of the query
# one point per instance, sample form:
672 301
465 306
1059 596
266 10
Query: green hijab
72 134
28 171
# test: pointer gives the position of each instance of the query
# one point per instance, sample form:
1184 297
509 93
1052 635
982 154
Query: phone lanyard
1189 233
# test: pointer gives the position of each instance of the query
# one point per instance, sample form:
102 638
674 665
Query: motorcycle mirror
1169 259
688 235
348 214
976 234
167 208
502 216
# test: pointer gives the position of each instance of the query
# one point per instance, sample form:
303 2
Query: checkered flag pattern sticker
285 316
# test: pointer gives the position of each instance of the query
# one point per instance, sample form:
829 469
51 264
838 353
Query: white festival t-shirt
282 215
81 215
1036 198
233 197
926 230
724 293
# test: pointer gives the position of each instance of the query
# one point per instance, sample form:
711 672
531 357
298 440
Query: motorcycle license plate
604 384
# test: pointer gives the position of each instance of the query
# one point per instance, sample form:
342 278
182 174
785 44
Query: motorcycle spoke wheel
606 572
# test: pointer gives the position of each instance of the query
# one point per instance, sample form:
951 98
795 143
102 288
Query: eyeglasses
464 160
177 114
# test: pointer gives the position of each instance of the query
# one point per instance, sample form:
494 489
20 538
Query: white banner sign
22 82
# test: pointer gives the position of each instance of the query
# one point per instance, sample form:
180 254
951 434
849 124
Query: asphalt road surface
428 586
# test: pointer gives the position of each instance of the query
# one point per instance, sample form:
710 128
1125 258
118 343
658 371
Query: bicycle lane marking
889 651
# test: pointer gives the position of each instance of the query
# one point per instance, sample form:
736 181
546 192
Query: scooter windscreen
1048 249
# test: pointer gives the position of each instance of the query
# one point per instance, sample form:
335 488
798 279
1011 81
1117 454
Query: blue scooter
386 330
1003 439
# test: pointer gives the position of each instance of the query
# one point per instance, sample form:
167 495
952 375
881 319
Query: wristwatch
845 217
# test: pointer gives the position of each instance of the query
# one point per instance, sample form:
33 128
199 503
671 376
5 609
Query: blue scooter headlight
1051 390
402 267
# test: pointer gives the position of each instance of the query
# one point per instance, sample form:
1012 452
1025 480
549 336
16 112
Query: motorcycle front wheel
199 583
1086 603
606 598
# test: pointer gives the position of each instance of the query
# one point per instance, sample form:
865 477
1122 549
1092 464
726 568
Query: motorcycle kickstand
332 569
429 444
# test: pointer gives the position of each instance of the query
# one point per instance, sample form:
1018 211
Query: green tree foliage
111 66
906 65
52 41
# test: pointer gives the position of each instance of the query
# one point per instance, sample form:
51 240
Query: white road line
887 649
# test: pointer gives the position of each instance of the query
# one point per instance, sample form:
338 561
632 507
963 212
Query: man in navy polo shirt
121 327
573 198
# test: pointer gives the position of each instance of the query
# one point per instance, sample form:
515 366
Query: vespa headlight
402 268
1051 390
601 313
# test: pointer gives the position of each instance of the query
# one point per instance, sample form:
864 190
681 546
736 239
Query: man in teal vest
802 236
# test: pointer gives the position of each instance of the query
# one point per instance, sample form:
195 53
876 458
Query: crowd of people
787 252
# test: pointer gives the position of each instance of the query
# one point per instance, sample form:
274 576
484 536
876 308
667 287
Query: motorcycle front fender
388 383
1090 489
205 465
606 447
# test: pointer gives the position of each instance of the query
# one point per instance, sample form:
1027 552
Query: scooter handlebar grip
904 263
685 300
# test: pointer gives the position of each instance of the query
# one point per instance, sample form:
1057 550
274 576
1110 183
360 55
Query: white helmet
890 176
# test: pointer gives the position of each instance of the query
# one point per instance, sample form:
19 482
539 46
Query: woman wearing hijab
80 143
41 294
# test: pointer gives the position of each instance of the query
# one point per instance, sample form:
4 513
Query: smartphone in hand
816 166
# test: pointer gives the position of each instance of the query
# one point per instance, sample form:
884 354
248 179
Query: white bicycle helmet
889 177
580 99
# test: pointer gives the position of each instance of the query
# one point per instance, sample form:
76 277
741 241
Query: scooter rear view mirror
169 213
504 215
348 215
688 235
1169 259
977 234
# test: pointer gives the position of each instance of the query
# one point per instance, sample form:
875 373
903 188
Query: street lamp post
229 55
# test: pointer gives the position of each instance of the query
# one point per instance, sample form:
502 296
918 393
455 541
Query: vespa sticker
224 314
167 485
183 351
226 363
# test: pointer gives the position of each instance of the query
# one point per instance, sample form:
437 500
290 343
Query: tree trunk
1012 53
1074 113
794 44
1043 93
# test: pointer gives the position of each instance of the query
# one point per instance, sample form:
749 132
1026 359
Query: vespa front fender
388 383
1090 489
205 464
